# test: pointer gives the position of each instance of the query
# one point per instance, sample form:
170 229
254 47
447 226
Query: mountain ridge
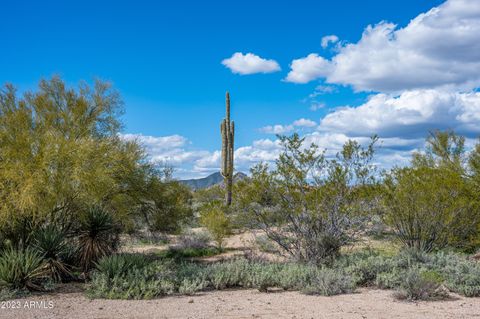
210 180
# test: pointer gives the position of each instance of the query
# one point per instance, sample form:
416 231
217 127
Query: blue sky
165 58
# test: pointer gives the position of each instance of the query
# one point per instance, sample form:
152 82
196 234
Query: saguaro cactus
227 129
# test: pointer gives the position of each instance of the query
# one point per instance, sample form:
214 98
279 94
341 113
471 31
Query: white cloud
304 123
315 106
309 68
283 129
277 129
166 149
326 40
437 49
425 72
323 89
250 63
157 144
411 114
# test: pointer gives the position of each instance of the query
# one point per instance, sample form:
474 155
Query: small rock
190 301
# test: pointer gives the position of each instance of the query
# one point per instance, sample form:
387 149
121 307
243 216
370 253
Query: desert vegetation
74 193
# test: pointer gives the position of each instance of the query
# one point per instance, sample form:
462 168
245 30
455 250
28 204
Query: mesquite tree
308 204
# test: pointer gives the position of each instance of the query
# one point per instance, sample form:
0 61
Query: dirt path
247 304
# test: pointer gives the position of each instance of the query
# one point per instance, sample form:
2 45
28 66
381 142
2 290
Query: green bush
154 280
189 286
329 282
214 218
21 269
414 275
390 280
463 278
430 208
51 243
161 278
365 271
118 265
421 284
182 253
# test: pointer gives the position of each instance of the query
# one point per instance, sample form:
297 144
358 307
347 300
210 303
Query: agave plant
119 265
50 241
22 268
97 236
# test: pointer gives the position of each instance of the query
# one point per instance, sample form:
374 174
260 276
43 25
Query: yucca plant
50 241
97 236
21 269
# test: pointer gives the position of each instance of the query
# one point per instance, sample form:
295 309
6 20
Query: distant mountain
211 180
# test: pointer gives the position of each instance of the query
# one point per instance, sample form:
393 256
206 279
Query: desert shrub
421 284
194 239
214 218
189 286
119 264
167 206
434 203
294 276
50 241
329 282
154 280
309 205
7 294
365 271
98 236
289 276
265 244
22 269
376 227
185 253
424 205
463 277
391 279
229 274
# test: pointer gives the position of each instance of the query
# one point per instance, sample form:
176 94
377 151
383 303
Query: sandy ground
247 304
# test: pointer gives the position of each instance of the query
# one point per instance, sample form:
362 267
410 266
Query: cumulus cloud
277 129
304 123
166 149
424 74
264 150
250 63
326 40
437 49
309 68
411 114
283 129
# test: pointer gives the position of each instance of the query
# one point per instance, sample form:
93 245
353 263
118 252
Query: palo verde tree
61 151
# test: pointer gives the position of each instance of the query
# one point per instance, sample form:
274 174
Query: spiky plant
119 265
50 241
97 236
21 269
227 129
